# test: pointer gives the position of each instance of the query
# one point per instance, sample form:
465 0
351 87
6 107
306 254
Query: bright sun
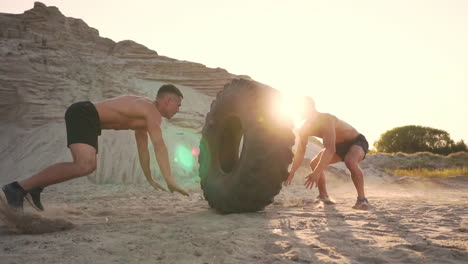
291 108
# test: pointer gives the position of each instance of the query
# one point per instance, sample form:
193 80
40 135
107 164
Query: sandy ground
134 224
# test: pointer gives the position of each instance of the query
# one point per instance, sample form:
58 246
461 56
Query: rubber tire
245 182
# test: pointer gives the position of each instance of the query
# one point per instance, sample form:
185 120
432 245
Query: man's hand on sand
289 179
157 186
311 179
176 188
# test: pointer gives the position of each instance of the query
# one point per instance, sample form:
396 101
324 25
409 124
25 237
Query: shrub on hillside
412 139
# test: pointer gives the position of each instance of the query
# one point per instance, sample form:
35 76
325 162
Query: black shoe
14 195
34 198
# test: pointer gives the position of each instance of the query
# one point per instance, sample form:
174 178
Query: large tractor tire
245 148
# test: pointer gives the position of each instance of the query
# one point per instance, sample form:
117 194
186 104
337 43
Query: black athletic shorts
83 125
343 147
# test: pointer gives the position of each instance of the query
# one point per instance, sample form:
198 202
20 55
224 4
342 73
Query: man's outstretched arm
153 121
329 140
298 157
143 154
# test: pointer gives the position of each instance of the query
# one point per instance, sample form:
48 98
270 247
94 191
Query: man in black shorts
341 142
83 124
84 121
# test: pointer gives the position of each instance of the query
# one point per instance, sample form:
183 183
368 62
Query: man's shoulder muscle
326 118
148 110
319 126
145 107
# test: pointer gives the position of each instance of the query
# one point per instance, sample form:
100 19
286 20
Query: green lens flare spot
184 157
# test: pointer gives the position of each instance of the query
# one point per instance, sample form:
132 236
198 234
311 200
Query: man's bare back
319 126
124 112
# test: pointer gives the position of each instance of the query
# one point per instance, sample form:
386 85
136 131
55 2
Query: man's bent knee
85 167
351 163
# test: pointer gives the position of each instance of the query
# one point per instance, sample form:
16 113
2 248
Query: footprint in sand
74 212
104 213
371 225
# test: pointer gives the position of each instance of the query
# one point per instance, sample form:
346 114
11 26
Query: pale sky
375 64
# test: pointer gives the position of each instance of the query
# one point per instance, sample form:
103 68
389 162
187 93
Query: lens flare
195 152
291 108
204 159
184 157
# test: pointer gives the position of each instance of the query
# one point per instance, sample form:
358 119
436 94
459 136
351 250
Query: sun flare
291 108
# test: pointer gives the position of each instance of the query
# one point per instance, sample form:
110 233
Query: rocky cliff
49 61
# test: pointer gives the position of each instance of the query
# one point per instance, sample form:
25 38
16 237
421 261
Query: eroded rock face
48 61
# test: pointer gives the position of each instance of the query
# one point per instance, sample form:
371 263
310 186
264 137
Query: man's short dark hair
169 88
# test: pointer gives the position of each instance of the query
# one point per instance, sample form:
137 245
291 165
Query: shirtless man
84 121
341 142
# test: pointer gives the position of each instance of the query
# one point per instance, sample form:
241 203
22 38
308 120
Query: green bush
412 139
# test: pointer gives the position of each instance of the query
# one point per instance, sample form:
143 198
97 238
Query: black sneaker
34 198
13 194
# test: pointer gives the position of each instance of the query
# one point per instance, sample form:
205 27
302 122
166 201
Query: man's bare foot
325 200
361 204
